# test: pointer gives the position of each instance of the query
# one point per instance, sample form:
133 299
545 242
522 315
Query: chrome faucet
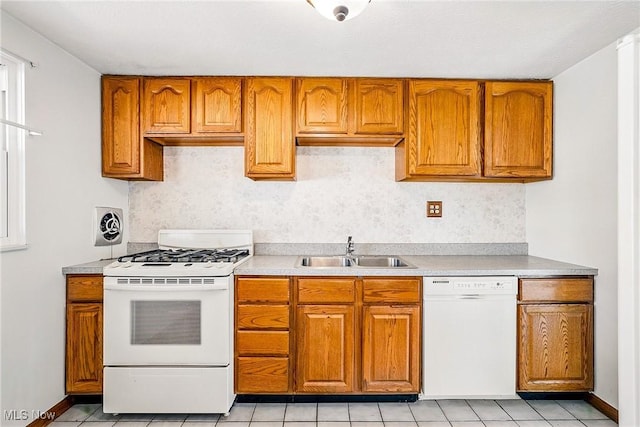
350 246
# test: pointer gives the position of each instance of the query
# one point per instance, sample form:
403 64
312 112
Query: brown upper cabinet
341 111
447 135
125 153
166 106
141 114
442 130
193 110
443 138
216 105
269 147
518 119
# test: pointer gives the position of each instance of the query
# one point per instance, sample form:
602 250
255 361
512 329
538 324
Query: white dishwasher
469 345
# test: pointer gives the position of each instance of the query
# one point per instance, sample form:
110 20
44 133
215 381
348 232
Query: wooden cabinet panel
443 137
378 106
555 347
84 288
125 154
556 290
262 336
84 348
262 289
390 291
269 142
321 105
518 129
263 317
262 343
314 290
325 360
166 105
262 375
391 349
216 105
120 130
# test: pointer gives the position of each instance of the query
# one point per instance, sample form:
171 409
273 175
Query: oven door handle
165 288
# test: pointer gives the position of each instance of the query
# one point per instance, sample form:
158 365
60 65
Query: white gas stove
188 253
168 319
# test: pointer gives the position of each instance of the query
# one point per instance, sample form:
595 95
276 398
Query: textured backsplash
338 192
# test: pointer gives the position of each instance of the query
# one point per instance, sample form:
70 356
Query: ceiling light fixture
339 10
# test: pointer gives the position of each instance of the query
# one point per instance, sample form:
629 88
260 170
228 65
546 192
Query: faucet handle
350 245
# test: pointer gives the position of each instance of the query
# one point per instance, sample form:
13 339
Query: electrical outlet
434 209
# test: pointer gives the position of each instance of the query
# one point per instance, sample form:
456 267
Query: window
12 159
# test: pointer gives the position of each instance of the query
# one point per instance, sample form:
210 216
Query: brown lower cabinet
346 335
83 356
555 334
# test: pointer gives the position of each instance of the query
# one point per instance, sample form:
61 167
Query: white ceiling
413 38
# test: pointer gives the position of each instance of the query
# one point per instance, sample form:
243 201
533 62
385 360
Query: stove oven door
168 324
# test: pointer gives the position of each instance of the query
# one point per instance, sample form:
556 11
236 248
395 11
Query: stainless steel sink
381 262
324 261
362 261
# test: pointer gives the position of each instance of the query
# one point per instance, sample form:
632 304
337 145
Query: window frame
13 110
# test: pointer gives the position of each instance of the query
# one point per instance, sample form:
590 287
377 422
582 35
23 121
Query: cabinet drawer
391 290
84 288
263 317
556 290
250 343
312 291
262 375
263 289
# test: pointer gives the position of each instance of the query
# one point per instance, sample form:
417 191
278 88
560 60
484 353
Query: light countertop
426 265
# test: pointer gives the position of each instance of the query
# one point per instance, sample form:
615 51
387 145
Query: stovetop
187 255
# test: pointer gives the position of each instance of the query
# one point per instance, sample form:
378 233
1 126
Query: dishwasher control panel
480 285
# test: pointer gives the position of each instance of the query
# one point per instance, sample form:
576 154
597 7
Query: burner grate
187 255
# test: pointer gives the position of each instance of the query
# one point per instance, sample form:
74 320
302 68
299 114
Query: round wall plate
108 226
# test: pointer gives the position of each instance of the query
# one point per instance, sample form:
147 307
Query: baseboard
602 406
48 416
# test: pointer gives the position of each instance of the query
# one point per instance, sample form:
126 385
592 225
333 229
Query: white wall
63 184
573 218
340 191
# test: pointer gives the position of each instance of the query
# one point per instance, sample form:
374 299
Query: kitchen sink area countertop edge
425 265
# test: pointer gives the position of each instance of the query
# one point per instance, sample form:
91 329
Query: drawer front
405 290
263 289
262 375
263 317
313 291
556 290
84 288
250 343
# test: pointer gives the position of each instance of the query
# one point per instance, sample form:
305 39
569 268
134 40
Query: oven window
165 322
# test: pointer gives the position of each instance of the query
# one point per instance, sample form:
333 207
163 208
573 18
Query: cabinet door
120 126
555 347
325 356
269 143
378 106
166 106
216 105
391 349
321 105
518 134
84 348
443 137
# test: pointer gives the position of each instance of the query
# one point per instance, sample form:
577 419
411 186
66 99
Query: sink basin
381 262
324 261
362 261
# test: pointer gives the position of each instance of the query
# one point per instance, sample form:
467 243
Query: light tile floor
423 413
